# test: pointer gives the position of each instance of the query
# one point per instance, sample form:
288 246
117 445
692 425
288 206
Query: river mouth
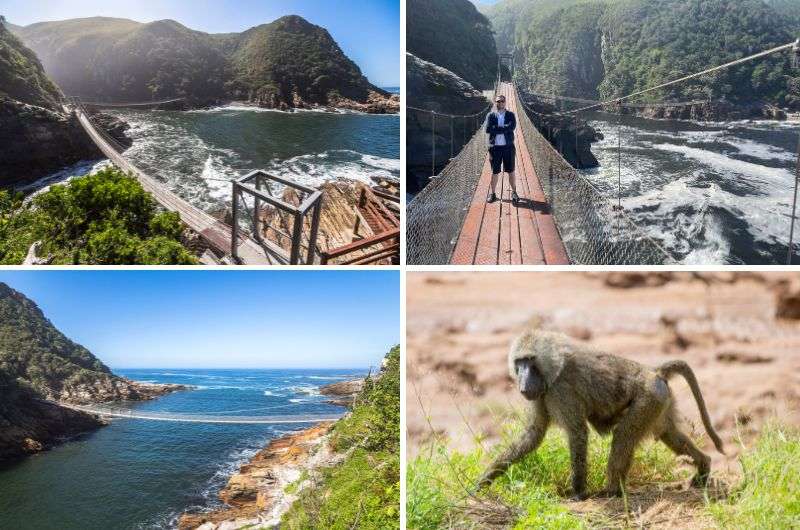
139 474
709 193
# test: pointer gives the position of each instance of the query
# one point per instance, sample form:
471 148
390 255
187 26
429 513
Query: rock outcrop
256 494
434 88
572 137
29 425
343 393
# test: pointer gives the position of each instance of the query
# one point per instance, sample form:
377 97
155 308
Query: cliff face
285 64
435 88
28 426
454 35
36 135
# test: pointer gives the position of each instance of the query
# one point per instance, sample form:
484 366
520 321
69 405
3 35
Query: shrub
106 218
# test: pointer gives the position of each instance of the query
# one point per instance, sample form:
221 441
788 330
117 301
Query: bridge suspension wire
795 45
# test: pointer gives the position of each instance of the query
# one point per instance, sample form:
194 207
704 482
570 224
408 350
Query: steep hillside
36 135
37 363
41 358
454 35
286 63
608 48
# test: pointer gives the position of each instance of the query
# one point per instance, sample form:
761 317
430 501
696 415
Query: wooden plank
551 243
464 253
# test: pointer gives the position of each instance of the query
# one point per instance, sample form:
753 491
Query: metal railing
257 186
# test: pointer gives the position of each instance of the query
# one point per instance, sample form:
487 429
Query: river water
140 474
709 193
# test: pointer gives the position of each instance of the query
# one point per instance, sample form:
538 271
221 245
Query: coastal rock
344 393
37 141
437 89
256 496
29 425
571 137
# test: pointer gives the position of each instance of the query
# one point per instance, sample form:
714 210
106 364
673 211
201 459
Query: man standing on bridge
500 126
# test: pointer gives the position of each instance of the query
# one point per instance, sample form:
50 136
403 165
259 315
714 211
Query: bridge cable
794 208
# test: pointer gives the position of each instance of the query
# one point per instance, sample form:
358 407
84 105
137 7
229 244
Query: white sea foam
62 176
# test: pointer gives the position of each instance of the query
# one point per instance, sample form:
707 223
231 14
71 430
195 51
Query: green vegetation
769 494
530 494
363 491
609 48
454 35
21 74
36 354
118 59
102 219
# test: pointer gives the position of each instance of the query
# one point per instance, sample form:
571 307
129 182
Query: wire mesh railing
435 215
595 231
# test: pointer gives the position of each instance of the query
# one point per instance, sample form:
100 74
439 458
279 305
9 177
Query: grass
768 496
363 490
531 494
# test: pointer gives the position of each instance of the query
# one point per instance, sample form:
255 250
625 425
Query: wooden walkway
500 233
216 233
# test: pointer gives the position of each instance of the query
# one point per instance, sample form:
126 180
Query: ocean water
140 474
196 153
710 193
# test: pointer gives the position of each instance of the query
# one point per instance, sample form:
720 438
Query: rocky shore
256 495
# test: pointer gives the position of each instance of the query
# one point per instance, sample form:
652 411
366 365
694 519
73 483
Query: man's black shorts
502 157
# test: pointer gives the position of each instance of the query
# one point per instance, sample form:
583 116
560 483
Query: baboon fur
578 386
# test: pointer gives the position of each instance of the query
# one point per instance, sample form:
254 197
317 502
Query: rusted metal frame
382 253
359 245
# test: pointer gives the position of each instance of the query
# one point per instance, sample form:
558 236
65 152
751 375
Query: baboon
573 385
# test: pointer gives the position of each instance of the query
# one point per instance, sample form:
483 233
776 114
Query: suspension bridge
265 229
562 218
219 417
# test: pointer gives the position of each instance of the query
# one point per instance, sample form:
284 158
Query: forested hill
609 48
286 63
22 77
454 35
38 356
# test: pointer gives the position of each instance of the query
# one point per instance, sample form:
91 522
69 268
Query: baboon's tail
681 368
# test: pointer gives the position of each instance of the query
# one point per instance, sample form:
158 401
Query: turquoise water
140 474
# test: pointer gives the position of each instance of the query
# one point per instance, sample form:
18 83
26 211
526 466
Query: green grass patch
363 491
102 219
768 496
440 481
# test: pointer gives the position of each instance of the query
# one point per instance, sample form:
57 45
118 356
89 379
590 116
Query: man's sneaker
491 198
514 198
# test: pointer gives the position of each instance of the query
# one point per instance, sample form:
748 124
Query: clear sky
222 319
367 30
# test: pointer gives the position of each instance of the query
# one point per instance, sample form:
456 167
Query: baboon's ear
535 322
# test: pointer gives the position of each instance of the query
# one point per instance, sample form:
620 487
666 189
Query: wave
62 176
240 107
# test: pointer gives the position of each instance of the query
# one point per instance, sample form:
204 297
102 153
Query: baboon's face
529 379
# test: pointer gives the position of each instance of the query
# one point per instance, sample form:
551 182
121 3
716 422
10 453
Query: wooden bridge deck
500 233
216 233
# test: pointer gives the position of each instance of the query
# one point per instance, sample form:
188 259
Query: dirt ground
739 332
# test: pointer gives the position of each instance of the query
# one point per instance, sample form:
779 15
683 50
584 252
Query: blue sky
367 30
222 319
